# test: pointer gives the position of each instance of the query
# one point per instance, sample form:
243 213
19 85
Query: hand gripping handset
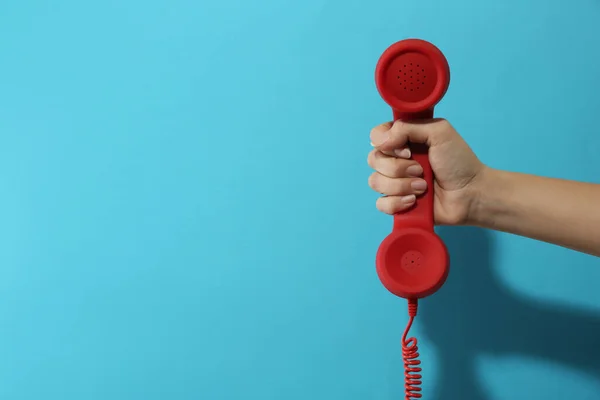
412 262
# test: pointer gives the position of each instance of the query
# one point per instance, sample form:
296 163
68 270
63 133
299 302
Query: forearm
562 212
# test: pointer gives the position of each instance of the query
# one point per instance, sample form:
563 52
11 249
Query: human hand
456 169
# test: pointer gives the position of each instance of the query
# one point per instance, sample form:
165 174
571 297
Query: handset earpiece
412 262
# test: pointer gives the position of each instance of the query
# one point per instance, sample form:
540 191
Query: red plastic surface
412 76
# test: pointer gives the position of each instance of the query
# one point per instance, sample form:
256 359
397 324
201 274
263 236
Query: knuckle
406 189
380 163
400 132
442 129
374 181
397 187
389 205
399 168
444 126
398 124
373 132
398 127
371 159
379 128
384 204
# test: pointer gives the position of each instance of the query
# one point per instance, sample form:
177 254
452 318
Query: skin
468 192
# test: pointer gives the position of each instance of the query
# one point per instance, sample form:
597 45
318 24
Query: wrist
488 194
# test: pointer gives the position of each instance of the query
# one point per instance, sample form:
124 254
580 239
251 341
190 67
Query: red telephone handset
412 262
412 76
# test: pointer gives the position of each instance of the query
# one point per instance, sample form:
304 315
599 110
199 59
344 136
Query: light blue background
185 211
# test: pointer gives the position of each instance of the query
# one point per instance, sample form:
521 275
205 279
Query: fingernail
380 138
409 199
403 153
414 170
419 185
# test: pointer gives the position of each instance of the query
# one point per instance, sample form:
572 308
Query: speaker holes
412 81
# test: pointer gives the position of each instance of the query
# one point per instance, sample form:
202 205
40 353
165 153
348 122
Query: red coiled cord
410 354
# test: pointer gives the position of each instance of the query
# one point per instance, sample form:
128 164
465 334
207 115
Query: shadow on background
474 314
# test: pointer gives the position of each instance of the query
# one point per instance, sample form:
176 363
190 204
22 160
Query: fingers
394 167
396 186
394 204
392 138
399 180
398 177
379 135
